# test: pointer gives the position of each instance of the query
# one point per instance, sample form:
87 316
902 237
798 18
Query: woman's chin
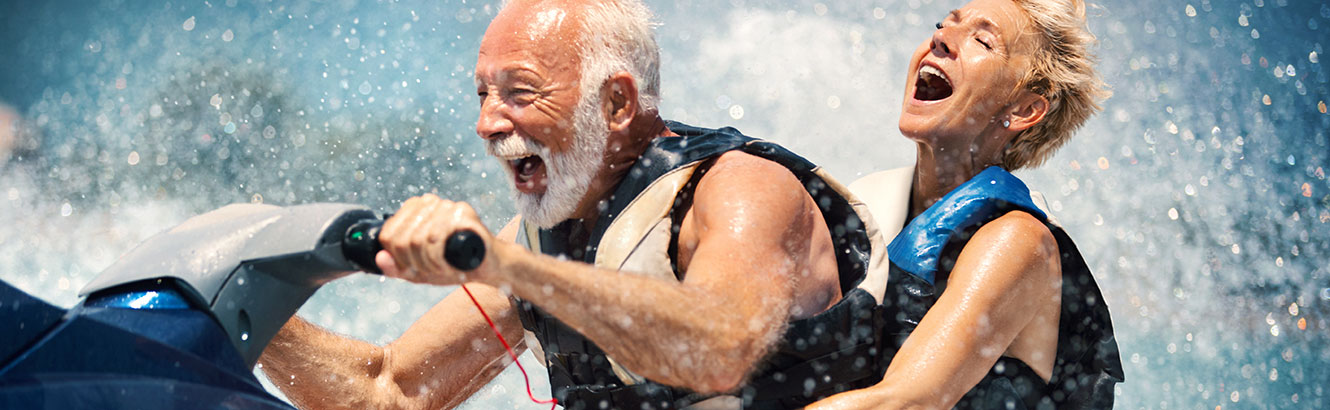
916 127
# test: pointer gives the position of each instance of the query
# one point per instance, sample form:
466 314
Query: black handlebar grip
361 244
464 250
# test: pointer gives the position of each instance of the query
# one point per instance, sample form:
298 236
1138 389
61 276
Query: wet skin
1003 295
754 253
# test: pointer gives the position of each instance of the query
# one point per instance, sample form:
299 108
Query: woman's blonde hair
1062 70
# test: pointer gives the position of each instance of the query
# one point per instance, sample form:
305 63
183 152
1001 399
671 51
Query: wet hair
617 35
1062 70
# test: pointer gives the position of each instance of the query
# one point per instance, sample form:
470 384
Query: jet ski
180 321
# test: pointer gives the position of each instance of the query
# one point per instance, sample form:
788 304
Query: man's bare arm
443 358
752 221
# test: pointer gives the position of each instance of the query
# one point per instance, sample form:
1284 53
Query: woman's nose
940 42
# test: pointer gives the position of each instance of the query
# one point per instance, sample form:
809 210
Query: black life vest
1087 364
831 352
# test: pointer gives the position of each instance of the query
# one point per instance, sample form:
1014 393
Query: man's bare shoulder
742 184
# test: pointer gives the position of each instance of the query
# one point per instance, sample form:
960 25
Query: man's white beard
568 175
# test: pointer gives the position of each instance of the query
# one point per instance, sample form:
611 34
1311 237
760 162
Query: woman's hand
414 237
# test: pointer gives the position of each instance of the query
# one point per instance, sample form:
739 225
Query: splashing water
1199 195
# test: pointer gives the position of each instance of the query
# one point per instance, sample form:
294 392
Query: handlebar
464 250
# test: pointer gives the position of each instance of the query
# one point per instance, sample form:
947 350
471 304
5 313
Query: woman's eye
938 25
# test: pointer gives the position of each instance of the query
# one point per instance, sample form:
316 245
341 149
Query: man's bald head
601 37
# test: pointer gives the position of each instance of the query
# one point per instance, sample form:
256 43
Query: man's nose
493 122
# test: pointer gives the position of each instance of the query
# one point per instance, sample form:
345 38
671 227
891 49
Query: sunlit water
1198 196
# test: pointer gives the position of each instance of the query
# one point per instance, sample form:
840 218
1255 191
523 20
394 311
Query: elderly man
655 265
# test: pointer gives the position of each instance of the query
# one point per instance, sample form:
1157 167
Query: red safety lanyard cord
526 378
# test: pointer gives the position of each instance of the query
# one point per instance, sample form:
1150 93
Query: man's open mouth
931 84
527 168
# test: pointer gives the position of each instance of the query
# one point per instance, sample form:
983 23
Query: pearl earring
1006 124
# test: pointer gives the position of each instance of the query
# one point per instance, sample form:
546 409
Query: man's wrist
503 257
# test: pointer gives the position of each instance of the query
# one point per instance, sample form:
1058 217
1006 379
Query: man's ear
1028 111
619 101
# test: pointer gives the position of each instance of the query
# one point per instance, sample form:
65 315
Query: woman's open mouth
931 84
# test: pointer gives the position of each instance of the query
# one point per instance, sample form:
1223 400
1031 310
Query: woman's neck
937 171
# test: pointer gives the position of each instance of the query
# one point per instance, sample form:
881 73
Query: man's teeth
933 71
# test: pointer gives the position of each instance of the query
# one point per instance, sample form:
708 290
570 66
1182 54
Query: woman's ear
1028 111
619 101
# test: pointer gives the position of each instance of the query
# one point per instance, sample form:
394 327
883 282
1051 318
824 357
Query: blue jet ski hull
107 354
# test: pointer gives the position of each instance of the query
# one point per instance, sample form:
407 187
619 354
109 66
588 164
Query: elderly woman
998 306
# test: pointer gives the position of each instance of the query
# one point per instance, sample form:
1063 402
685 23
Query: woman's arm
1003 293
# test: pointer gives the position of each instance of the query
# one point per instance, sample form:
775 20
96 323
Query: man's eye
938 25
985 43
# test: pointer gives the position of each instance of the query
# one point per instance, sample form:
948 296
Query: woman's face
963 78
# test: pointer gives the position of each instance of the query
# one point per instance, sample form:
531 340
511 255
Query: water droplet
1173 213
245 336
227 35
1293 309
133 158
256 199
1313 57
189 24
1291 160
736 111
66 209
230 128
365 88
1191 11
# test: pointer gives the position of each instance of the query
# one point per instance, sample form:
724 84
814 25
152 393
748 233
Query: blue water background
1198 196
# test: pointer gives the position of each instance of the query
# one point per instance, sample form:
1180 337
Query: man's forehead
546 22
536 19
527 35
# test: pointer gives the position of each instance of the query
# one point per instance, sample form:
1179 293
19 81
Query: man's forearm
318 369
446 356
666 331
